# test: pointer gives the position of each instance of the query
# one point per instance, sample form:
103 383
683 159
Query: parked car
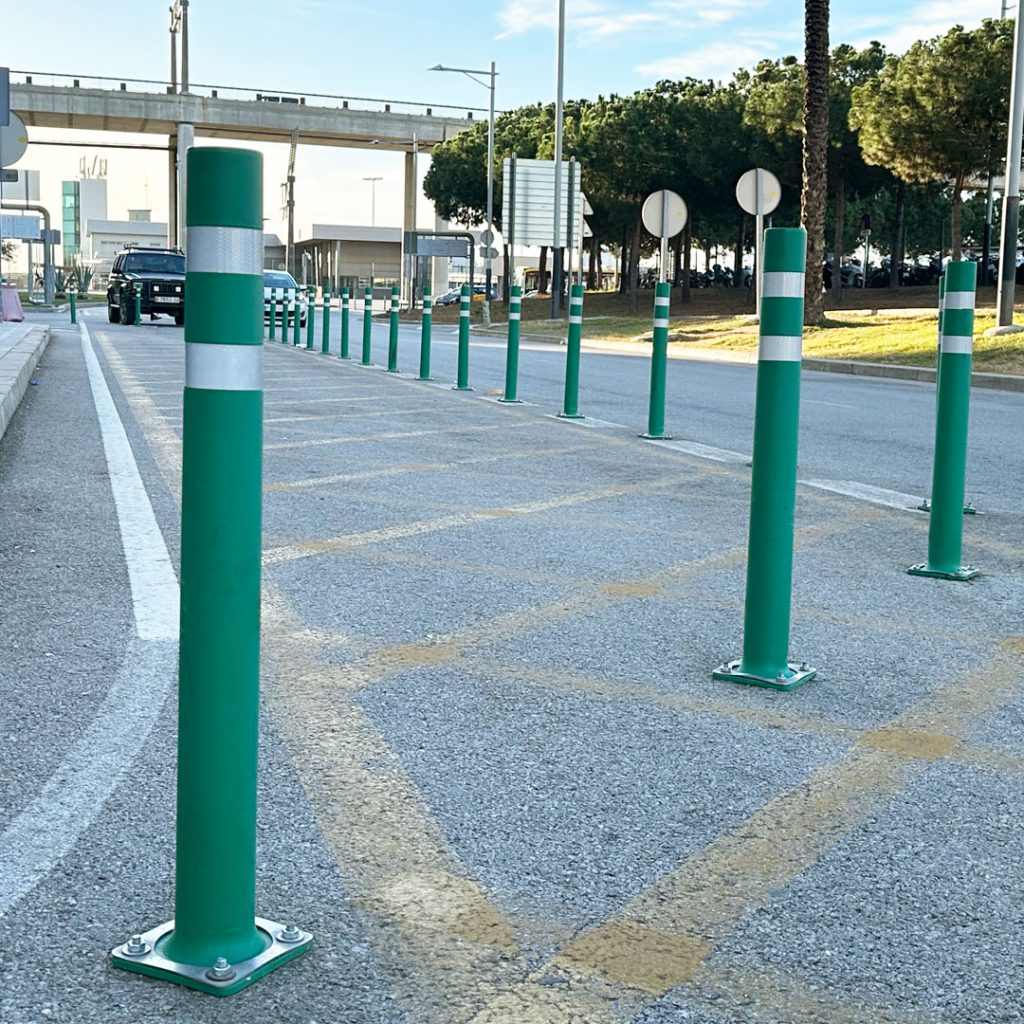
156 275
284 287
449 298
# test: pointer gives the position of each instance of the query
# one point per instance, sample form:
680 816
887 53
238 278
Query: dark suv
160 276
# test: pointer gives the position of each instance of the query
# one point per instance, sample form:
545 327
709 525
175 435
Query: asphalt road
497 781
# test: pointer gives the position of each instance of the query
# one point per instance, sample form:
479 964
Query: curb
16 368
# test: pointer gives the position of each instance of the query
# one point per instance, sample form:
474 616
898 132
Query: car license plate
165 298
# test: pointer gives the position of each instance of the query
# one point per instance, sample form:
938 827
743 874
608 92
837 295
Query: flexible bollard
273 314
325 341
74 311
393 334
462 374
367 325
297 319
952 406
285 307
310 318
659 364
138 303
765 660
570 405
425 324
515 307
344 324
216 943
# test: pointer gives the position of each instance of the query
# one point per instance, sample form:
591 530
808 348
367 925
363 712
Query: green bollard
296 320
570 407
393 335
765 660
138 303
952 406
428 317
515 308
310 317
344 324
273 314
325 341
74 311
285 305
216 943
367 324
462 375
659 364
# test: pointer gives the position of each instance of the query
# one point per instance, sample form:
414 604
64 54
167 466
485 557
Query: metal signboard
451 247
5 97
20 186
533 199
25 229
664 214
758 191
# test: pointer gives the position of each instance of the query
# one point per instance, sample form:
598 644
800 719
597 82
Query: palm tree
815 185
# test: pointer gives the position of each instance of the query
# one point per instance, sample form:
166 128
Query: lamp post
556 254
491 74
373 199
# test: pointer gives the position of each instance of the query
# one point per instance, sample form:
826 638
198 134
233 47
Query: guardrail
367 103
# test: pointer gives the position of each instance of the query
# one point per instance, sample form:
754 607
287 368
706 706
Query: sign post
758 192
216 943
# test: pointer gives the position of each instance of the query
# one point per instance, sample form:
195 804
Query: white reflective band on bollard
514 315
957 344
958 300
223 367
779 347
216 250
659 322
781 284
578 319
662 300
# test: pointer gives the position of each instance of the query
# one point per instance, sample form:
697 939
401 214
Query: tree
939 112
815 176
7 252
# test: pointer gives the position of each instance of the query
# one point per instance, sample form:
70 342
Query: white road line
704 451
588 421
150 573
834 405
318 442
865 492
50 825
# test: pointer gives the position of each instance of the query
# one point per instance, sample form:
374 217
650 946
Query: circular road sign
747 191
13 141
664 214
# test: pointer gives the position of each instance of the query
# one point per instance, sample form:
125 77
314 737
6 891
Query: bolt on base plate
284 943
794 676
965 572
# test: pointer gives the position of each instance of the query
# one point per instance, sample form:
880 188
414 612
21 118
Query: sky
382 50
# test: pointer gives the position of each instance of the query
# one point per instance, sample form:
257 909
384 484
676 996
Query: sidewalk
21 345
498 782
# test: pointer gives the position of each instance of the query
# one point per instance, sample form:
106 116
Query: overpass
151 106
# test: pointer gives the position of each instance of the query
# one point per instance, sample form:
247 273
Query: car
284 286
156 274
449 298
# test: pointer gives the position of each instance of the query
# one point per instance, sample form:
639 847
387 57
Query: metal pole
367 324
759 245
515 306
1011 197
184 45
462 375
216 943
570 403
425 336
986 238
659 356
344 324
765 660
663 271
490 208
864 274
393 332
556 255
952 405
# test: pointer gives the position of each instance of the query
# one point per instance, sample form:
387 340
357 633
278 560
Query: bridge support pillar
172 189
185 140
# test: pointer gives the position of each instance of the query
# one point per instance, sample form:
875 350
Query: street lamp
373 199
491 74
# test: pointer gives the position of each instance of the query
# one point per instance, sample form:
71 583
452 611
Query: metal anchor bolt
289 934
135 946
221 970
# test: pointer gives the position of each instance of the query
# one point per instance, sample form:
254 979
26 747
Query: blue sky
382 49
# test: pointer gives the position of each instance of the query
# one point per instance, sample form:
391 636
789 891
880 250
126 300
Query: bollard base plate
656 437
969 509
571 416
426 380
457 388
795 675
155 965
511 401
965 572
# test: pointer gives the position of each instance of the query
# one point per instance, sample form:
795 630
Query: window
154 263
276 280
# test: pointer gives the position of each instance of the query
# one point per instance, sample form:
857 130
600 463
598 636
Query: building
106 238
81 201
348 256
274 252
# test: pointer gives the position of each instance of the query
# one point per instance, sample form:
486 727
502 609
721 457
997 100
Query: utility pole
1011 197
184 45
373 199
289 252
556 255
175 10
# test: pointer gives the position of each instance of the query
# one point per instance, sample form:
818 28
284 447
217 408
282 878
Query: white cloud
717 61
905 27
